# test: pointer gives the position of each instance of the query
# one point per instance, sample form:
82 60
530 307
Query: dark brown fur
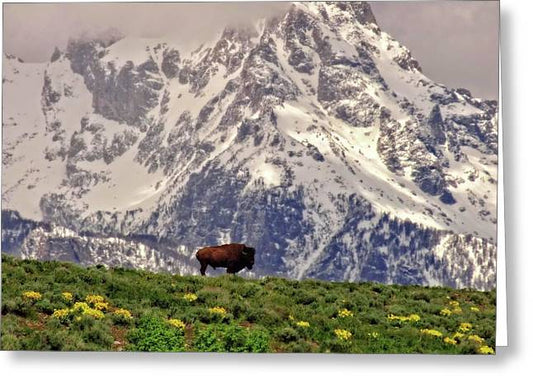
234 257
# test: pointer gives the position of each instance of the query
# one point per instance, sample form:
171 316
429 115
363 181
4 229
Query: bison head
248 254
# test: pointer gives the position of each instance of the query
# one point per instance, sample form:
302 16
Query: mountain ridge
301 140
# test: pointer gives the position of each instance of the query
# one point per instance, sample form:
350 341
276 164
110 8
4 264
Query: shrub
122 317
300 346
63 275
422 295
305 298
10 306
44 306
81 322
264 316
206 340
258 341
154 335
99 335
19 306
234 338
91 276
372 318
287 334
161 298
249 290
216 315
9 342
231 338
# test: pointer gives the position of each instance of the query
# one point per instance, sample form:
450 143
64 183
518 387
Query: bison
234 257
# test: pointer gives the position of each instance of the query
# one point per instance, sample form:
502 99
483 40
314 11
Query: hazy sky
456 42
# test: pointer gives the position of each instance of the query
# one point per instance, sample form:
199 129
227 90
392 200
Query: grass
76 308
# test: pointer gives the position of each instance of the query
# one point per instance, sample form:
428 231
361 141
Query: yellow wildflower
410 318
485 350
445 312
33 295
432 332
457 335
84 309
450 341
456 309
302 324
291 317
60 313
476 338
123 312
177 323
190 297
218 310
465 327
67 296
102 306
97 314
344 313
392 317
93 299
80 307
373 335
474 309
342 334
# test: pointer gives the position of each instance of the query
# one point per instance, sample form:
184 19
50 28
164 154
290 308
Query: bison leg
203 268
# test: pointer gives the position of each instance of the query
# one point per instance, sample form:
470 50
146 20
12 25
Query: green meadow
62 306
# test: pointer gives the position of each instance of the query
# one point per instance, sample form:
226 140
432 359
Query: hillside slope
60 306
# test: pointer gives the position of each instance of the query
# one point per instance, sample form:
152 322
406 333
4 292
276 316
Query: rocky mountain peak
239 32
11 57
318 141
341 12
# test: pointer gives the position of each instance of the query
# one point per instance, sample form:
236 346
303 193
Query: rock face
313 137
122 93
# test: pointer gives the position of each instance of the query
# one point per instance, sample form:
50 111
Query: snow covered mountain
313 136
